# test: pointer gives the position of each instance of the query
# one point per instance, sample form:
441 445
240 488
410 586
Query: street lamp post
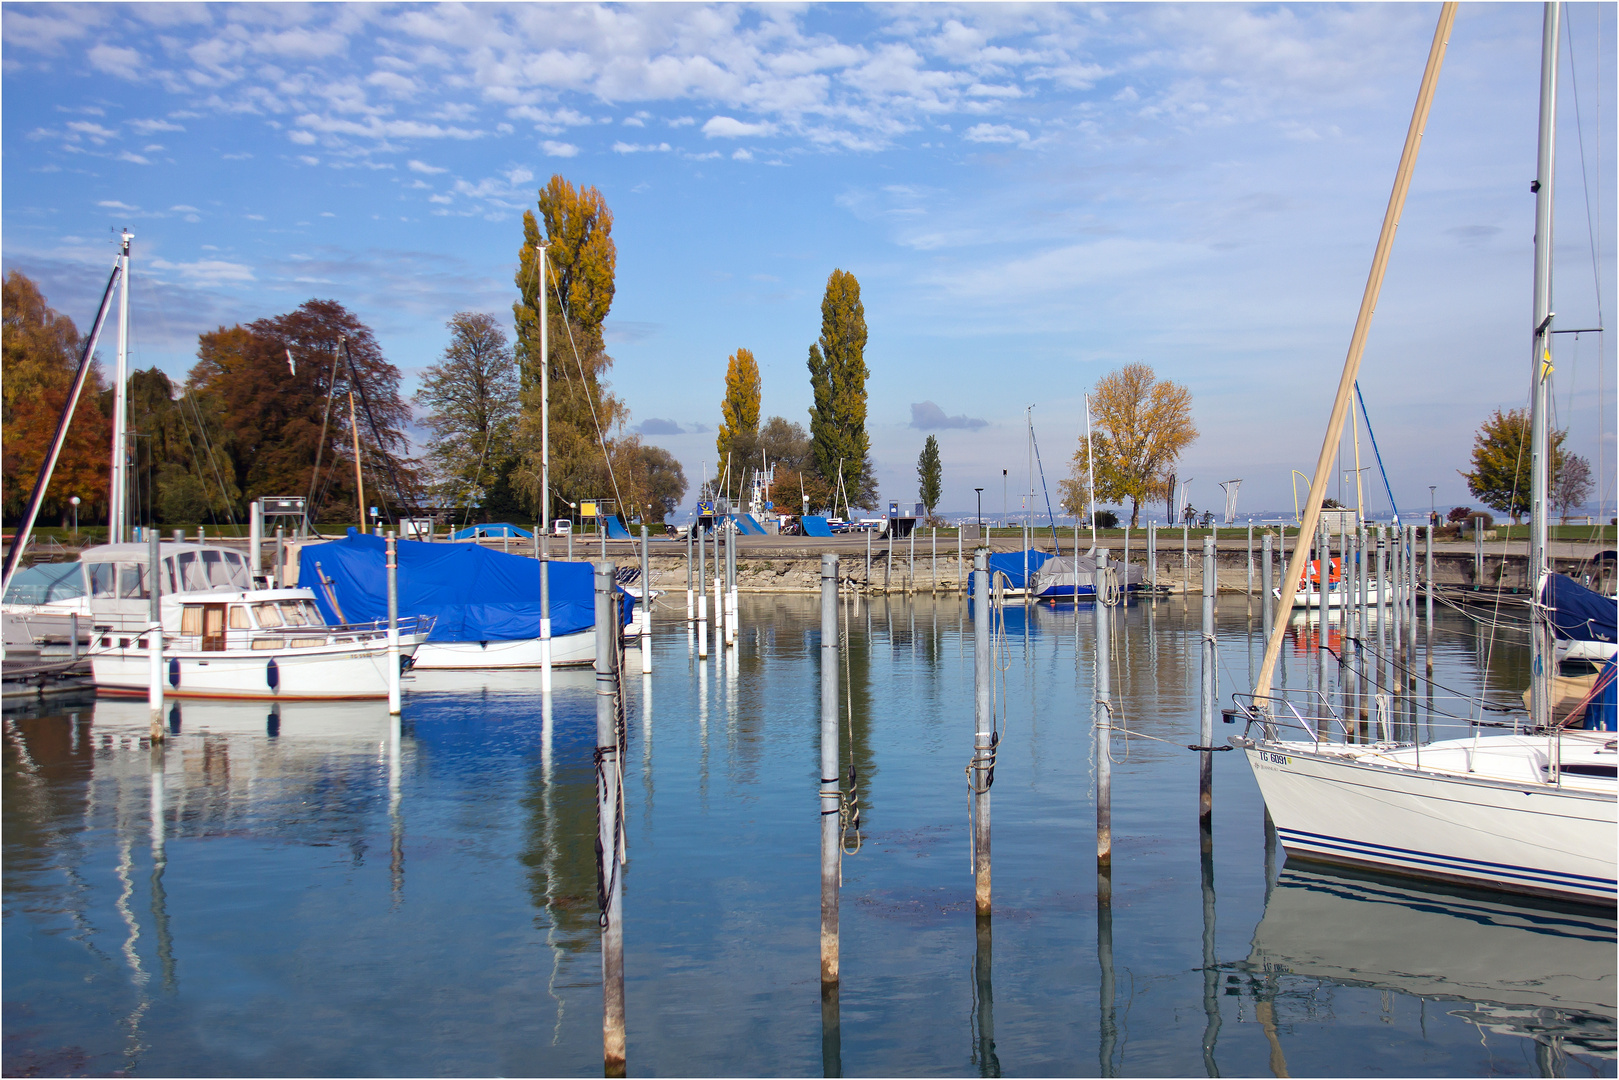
75 502
1004 510
1433 510
980 513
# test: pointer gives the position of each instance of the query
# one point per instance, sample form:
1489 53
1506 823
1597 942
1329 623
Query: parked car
561 527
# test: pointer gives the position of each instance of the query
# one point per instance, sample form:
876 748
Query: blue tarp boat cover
474 593
1010 563
615 528
472 532
1577 613
814 526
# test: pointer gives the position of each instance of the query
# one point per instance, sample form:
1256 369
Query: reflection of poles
831 845
396 818
984 1006
1104 958
1211 974
610 834
160 861
982 773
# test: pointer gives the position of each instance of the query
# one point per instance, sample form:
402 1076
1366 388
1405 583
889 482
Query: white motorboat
222 639
1517 804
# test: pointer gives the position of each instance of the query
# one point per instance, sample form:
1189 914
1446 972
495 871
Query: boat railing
1308 711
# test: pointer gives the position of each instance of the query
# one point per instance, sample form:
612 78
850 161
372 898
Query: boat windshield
45 582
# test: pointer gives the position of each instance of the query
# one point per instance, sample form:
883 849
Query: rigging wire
567 322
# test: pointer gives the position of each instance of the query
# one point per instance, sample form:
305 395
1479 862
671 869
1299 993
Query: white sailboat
1522 805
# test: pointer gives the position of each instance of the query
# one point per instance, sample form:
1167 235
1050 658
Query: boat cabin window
169 583
191 619
236 567
239 619
293 612
44 582
131 581
192 578
269 615
312 613
103 577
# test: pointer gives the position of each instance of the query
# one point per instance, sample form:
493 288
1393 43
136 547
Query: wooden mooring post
610 828
831 839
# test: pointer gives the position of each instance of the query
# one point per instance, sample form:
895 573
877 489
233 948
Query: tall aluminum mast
1543 650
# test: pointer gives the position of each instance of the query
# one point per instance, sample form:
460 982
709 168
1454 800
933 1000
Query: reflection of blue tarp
472 532
1010 563
615 528
749 526
1577 613
815 526
473 593
1603 712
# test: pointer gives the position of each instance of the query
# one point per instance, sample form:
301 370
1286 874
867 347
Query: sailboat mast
117 509
1541 368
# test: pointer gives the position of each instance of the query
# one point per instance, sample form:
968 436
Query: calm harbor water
302 894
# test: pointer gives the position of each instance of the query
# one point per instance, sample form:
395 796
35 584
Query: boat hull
569 650
1531 838
346 671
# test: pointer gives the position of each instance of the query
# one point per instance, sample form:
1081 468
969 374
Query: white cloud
116 60
114 204
637 148
742 154
207 271
553 148
995 133
725 127
133 159
423 167
150 127
302 138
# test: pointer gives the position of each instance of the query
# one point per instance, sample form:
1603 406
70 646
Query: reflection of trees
559 849
48 763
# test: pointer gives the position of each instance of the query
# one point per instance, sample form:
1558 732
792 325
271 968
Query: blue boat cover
1010 563
1577 613
749 525
615 528
1602 714
815 526
472 532
474 593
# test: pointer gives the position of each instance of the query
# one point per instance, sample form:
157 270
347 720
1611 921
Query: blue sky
1030 197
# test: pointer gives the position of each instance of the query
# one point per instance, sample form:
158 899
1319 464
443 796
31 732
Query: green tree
1500 475
739 424
1141 427
838 372
928 474
578 238
471 398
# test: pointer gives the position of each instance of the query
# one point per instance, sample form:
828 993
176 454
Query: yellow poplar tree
739 426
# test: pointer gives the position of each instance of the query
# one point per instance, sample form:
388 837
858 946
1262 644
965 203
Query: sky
1030 196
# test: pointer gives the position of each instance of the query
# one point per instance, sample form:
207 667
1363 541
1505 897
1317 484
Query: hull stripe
1469 867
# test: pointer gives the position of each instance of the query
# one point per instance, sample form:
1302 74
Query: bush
1458 513
1481 519
1107 519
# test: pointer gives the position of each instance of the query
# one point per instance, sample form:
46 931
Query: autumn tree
470 396
1500 475
838 372
39 349
1141 426
739 412
929 472
1573 485
786 447
181 474
575 227
262 390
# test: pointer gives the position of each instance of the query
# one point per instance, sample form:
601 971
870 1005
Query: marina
298 890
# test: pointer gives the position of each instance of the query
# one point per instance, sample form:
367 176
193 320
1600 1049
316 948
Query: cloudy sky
1029 196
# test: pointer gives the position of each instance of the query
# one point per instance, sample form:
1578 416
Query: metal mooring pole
981 773
154 635
610 830
702 593
1269 605
393 624
646 605
831 841
1102 723
1429 591
1211 678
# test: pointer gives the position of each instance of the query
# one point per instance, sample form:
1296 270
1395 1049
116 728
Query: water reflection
1528 972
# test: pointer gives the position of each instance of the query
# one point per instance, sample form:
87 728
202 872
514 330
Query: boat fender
174 672
1210 748
272 675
